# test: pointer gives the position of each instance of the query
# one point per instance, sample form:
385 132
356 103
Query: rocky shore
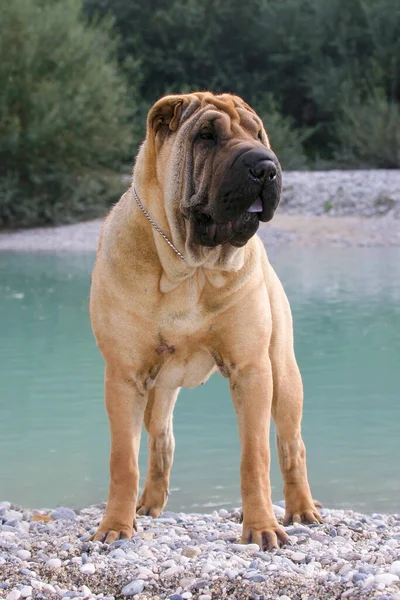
46 554
336 208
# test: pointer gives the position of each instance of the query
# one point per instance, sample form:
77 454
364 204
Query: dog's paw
268 538
109 532
308 516
148 511
152 502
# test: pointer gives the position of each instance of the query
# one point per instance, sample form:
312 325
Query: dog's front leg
125 407
251 388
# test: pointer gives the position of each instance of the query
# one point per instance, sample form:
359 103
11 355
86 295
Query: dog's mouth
206 231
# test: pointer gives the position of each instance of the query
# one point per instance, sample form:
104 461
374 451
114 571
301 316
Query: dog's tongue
256 207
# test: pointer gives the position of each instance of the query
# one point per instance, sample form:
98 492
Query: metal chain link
154 224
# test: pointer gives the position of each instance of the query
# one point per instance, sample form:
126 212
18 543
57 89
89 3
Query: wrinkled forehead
229 115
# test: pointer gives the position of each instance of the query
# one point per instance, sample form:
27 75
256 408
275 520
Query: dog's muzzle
249 193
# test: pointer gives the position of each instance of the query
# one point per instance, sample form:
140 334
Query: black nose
263 170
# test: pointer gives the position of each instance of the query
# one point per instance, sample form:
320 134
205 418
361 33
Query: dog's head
212 158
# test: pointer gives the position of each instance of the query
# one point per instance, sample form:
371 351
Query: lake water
54 439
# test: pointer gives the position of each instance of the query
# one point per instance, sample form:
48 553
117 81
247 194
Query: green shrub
369 133
63 114
286 141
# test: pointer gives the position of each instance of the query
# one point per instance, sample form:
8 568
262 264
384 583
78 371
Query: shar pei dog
182 287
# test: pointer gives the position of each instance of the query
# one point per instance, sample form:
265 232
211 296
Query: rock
88 568
26 591
175 597
86 591
386 578
279 511
191 551
173 571
134 587
284 598
12 515
357 577
24 554
14 595
48 588
187 595
223 513
62 512
298 557
231 573
54 563
395 568
205 597
258 578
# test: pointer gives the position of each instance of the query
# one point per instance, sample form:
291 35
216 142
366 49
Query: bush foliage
63 114
318 60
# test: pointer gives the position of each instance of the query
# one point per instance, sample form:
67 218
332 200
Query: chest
184 369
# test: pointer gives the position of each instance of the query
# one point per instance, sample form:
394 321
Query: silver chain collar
154 224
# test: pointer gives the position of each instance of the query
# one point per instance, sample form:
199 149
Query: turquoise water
54 438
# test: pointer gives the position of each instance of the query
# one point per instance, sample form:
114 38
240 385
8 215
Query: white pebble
386 578
24 554
284 598
395 567
88 569
205 597
187 595
173 571
279 513
54 563
208 568
11 515
86 591
47 587
37 585
298 557
14 595
231 573
26 591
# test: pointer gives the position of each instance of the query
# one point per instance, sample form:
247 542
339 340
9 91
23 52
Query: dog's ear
166 113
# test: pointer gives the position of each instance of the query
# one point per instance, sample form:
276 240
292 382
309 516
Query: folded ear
166 113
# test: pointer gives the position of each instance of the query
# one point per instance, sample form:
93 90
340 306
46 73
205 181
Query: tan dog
206 176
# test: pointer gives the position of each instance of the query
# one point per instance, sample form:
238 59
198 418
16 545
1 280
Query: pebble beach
46 553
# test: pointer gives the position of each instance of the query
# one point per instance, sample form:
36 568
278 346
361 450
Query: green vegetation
324 76
63 114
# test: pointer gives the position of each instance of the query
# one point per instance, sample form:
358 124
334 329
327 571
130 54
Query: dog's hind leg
287 412
161 444
287 407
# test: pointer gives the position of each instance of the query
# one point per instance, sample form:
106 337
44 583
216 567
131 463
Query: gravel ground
182 556
337 208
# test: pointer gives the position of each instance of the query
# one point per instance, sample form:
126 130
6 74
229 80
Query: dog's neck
176 229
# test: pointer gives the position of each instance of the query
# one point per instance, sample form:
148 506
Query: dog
182 287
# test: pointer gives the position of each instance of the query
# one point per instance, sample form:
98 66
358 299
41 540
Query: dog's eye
206 135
